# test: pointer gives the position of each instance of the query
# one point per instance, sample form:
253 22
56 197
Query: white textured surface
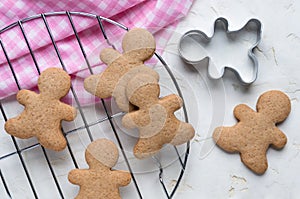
212 173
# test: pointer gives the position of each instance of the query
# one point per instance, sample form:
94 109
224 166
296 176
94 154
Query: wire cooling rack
31 171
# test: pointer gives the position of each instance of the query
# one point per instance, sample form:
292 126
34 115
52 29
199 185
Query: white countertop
212 173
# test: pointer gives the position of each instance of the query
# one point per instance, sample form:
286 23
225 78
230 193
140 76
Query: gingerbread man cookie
138 46
155 117
99 181
44 112
256 131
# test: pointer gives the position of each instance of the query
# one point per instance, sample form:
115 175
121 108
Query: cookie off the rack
256 131
44 112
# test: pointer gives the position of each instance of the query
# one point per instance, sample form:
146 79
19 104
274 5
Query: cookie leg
52 139
256 160
16 127
184 133
146 148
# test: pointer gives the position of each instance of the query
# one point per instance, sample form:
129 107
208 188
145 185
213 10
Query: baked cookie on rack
155 117
138 46
99 180
44 112
256 131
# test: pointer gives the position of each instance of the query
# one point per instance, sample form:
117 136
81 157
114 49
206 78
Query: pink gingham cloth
156 15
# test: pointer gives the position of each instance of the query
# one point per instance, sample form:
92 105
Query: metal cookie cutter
204 40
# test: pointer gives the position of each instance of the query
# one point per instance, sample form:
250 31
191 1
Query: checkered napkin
155 15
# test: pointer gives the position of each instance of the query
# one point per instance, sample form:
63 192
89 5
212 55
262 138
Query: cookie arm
172 102
69 113
77 176
242 112
225 138
24 96
123 177
279 139
108 55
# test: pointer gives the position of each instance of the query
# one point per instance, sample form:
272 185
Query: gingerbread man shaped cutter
202 39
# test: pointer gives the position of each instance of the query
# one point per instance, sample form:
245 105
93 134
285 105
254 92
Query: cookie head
54 82
143 90
140 43
102 151
275 104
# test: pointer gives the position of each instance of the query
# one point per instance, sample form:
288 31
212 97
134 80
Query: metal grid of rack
109 117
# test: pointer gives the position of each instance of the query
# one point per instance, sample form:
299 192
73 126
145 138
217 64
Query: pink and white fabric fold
155 15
